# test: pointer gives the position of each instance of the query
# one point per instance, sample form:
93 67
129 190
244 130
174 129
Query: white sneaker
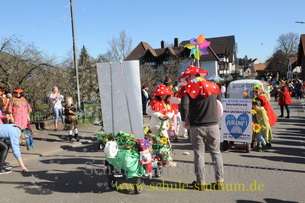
8 167
5 171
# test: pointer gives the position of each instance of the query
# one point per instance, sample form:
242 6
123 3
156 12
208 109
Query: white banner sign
120 92
236 122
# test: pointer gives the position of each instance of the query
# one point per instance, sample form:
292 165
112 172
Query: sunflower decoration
256 127
254 112
163 140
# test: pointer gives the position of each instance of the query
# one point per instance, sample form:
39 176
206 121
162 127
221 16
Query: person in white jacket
160 108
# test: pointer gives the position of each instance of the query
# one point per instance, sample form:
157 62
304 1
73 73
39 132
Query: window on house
151 63
167 62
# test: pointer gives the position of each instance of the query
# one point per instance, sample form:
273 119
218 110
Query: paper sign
236 123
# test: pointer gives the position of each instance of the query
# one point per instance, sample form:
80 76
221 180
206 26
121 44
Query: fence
92 114
40 115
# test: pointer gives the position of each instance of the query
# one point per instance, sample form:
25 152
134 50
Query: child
70 112
264 136
173 125
160 108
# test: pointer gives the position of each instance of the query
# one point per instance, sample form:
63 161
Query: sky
256 24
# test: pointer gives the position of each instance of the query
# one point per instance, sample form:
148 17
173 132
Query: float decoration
198 47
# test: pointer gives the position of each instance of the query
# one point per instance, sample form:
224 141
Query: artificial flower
146 129
198 46
163 140
145 144
256 127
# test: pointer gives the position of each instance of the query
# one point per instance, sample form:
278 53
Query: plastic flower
254 112
145 144
146 129
256 127
198 46
163 140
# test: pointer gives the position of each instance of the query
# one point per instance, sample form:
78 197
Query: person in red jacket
260 95
285 100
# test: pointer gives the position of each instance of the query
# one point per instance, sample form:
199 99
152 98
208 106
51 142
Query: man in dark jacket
199 113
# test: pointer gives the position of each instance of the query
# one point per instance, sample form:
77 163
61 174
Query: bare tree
26 67
120 47
148 75
288 44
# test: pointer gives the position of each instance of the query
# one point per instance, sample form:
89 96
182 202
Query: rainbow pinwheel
198 46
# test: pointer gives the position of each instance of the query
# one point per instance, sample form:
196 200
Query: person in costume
285 101
160 108
260 95
70 112
55 99
260 116
19 109
174 121
199 113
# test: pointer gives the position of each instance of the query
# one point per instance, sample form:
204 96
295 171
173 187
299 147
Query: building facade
221 60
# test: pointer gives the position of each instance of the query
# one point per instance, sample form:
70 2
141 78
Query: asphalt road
64 172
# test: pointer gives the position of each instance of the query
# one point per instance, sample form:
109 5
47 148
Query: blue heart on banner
237 126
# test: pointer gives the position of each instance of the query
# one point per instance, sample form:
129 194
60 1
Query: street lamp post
75 53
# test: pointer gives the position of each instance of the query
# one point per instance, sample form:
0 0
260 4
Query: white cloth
57 99
155 121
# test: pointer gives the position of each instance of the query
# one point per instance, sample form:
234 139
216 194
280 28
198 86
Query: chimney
176 42
162 44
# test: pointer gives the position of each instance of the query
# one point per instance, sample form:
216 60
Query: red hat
162 90
193 70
